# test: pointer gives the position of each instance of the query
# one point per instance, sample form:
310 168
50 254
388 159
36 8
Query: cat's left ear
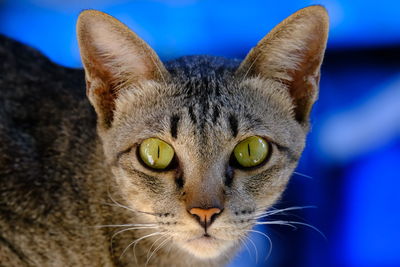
113 58
292 54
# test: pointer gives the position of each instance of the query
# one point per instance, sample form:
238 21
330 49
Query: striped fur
74 196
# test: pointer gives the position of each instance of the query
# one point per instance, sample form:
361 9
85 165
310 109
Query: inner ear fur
113 58
292 54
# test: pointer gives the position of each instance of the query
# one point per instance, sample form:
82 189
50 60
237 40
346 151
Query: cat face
206 117
203 140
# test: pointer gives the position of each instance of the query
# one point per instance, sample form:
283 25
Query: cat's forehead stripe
192 116
233 124
215 114
174 125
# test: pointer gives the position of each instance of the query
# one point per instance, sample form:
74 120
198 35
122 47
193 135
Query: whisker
152 245
290 223
303 175
123 225
254 246
116 203
276 211
138 240
134 246
243 241
269 240
284 224
159 70
170 247
158 248
124 230
248 70
130 209
291 208
129 229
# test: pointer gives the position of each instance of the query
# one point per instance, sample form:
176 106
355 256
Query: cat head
203 145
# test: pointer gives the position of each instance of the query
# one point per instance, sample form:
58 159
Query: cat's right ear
113 58
292 54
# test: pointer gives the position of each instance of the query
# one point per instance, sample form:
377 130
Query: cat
167 164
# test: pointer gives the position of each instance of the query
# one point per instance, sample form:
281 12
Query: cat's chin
206 247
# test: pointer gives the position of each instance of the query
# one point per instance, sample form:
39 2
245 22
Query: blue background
352 159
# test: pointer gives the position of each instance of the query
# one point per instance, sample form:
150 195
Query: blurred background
350 170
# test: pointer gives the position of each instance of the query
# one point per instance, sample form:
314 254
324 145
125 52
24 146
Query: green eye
156 153
251 152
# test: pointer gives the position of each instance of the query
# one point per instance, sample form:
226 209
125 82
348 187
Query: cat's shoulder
26 71
42 106
34 91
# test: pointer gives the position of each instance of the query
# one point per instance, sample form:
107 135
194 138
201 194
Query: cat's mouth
205 237
206 246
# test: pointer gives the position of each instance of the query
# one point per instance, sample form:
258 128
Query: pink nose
205 216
